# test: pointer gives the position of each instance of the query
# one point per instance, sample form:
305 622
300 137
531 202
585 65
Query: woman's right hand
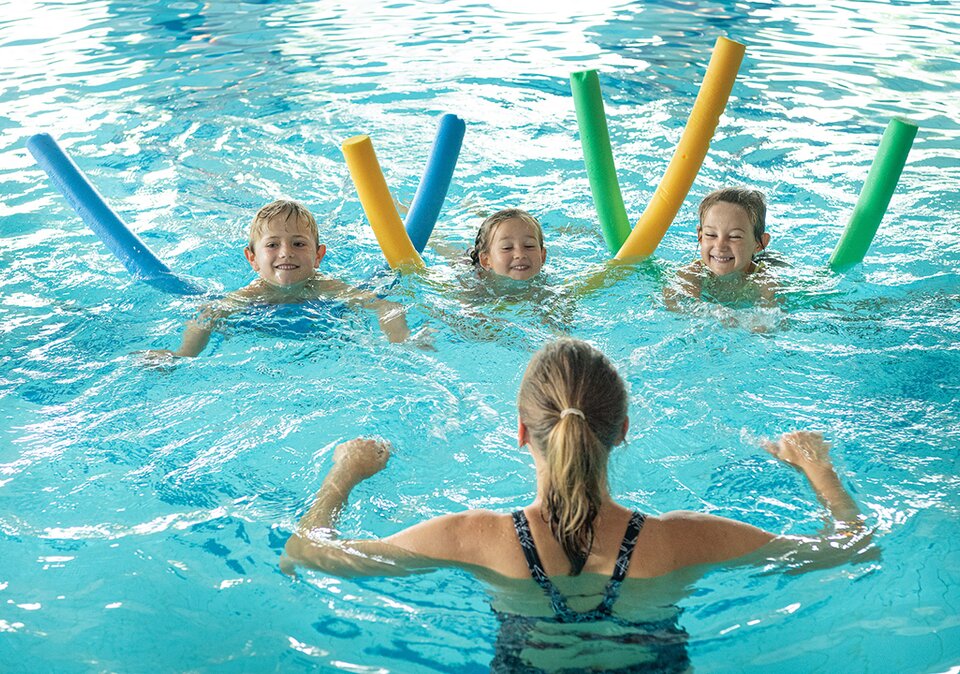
803 450
361 458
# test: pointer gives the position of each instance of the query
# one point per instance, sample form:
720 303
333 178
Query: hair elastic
572 410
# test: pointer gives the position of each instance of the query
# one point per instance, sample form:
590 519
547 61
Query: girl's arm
687 285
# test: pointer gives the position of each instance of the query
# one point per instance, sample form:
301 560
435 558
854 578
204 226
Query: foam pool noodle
875 195
378 204
598 158
84 198
429 197
690 153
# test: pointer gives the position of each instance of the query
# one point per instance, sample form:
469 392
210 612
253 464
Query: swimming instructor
572 412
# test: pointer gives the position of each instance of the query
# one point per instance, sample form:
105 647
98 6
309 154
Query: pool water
143 509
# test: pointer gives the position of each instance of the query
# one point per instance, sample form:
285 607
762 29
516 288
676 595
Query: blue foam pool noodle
427 202
94 211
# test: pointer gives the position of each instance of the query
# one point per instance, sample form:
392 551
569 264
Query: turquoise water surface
143 510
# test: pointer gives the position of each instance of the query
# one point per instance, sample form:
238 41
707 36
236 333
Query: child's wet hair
489 226
750 200
286 210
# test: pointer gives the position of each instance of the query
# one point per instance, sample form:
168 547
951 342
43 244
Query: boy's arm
197 333
390 315
195 339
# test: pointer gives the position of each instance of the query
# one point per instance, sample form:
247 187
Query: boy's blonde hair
574 405
751 201
285 210
489 226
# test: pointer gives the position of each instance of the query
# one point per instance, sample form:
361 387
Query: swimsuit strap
522 526
557 601
612 592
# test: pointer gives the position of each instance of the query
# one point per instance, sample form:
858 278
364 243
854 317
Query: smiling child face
514 251
727 242
286 253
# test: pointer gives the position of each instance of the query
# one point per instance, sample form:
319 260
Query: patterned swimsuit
563 612
662 644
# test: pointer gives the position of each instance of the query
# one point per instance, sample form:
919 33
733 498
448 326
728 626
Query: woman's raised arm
316 544
698 538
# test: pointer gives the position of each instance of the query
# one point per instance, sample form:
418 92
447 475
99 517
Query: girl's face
514 251
727 244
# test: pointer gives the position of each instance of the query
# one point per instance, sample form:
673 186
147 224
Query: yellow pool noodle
691 150
378 204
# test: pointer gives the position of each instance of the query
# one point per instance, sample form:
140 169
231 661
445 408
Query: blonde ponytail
563 377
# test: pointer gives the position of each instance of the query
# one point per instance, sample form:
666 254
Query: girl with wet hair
510 243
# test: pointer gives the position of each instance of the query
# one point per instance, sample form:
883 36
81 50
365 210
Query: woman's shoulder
700 538
466 537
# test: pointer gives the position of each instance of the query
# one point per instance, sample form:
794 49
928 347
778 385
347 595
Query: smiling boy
285 250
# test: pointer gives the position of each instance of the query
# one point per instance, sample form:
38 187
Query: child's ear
543 255
764 240
484 260
321 251
251 258
699 234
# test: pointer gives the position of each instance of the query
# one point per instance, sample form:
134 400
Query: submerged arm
687 286
196 334
390 315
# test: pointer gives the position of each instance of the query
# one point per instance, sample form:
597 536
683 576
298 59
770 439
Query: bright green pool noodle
875 195
598 157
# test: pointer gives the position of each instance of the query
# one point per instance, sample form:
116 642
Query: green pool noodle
875 195
598 157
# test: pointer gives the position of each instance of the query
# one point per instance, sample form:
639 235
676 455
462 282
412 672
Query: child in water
285 251
730 234
510 243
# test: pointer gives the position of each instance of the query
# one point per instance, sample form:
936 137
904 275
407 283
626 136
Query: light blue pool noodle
93 210
426 204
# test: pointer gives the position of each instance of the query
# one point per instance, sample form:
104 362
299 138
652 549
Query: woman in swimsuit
574 540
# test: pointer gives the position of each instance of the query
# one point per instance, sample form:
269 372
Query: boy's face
514 251
285 254
727 244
